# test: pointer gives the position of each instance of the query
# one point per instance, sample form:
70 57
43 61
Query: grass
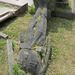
32 10
60 31
62 34
17 70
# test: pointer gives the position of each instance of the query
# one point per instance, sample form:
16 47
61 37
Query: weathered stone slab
62 4
63 14
10 56
6 12
18 2
3 35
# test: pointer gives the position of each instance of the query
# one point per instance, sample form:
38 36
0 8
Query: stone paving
18 2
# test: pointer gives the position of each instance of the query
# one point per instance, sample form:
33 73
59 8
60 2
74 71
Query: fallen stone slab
62 4
10 56
3 35
63 14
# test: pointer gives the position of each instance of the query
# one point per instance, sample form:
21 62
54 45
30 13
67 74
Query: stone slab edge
10 56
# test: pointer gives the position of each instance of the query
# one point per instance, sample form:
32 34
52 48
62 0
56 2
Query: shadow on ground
56 23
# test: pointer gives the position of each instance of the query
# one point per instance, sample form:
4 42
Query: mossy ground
60 31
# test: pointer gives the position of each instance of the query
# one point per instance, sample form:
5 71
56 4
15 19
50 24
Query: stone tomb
7 12
18 2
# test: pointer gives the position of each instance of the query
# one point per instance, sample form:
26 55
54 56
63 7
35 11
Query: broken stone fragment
3 35
28 60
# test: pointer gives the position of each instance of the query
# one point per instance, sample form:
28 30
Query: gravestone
35 48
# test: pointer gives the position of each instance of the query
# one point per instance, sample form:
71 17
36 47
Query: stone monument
35 49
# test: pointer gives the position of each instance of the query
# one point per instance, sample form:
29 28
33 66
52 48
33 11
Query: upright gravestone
73 6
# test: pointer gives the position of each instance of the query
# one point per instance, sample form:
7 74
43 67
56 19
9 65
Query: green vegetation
32 10
17 70
13 43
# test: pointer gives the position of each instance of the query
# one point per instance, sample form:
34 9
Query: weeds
13 43
32 10
17 70
55 53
